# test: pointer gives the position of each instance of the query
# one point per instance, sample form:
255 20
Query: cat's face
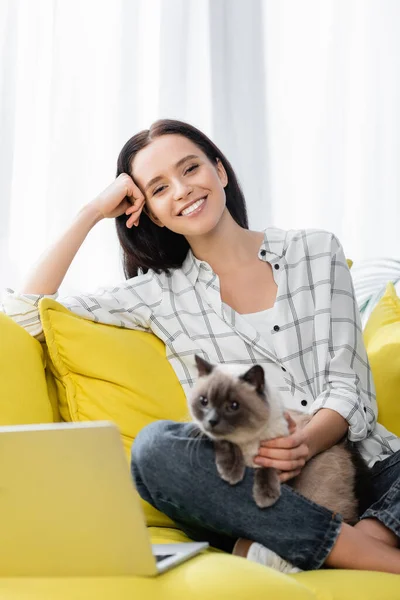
227 406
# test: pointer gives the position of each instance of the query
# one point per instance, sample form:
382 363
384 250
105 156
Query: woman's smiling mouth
194 208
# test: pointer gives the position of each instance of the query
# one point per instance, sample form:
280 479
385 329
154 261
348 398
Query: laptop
68 506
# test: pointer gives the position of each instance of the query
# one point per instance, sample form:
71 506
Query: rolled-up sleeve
348 386
128 305
24 310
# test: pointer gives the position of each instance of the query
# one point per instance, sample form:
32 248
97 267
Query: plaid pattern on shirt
318 359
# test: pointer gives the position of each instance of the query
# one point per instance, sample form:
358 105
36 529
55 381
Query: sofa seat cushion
338 584
205 577
214 577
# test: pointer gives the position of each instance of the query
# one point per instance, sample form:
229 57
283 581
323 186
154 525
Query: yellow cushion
104 372
51 385
23 390
382 340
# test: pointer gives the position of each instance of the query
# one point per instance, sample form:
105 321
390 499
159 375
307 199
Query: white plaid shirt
319 358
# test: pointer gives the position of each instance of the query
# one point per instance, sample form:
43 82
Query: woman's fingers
132 190
136 199
138 204
284 453
281 465
134 211
284 459
288 475
130 222
133 219
291 441
291 422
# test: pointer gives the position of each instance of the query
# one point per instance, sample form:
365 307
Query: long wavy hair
149 246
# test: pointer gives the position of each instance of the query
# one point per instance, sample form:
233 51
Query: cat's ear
255 376
203 367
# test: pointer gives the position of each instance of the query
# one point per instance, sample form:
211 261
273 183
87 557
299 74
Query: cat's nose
213 422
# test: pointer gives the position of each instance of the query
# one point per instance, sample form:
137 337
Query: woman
203 283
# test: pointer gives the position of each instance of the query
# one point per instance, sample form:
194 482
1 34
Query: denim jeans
175 472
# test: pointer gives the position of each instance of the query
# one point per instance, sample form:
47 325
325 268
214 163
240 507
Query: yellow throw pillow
109 373
382 340
23 390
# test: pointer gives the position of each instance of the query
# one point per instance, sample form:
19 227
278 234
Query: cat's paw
229 462
263 501
232 475
266 488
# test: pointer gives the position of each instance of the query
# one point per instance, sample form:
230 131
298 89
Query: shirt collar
273 246
271 249
191 267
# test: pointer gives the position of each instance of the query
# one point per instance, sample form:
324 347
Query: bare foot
241 547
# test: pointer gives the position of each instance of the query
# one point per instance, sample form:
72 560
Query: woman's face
184 191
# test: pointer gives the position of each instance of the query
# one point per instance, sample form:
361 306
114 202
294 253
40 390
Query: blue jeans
175 472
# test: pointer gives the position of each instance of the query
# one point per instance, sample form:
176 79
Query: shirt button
263 252
304 402
283 369
276 266
276 327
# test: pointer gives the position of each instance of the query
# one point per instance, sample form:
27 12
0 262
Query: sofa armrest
23 389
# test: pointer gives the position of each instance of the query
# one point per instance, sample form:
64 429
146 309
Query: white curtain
302 97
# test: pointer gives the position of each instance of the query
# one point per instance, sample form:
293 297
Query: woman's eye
190 169
203 401
158 190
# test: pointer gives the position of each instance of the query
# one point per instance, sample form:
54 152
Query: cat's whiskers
196 435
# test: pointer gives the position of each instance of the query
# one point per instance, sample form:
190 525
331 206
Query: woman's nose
181 190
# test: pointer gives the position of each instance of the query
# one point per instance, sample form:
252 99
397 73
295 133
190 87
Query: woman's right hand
121 196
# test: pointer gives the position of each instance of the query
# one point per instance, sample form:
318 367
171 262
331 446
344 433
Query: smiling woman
195 170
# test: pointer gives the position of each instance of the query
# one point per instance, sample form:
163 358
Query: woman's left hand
286 454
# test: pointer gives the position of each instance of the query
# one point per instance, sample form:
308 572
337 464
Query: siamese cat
237 410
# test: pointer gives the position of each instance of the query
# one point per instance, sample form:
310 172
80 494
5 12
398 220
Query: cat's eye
203 400
234 405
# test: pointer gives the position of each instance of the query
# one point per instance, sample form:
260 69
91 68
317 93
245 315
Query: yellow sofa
87 371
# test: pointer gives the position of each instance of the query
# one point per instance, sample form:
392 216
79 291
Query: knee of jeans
150 445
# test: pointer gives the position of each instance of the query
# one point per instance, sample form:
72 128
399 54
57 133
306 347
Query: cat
236 409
